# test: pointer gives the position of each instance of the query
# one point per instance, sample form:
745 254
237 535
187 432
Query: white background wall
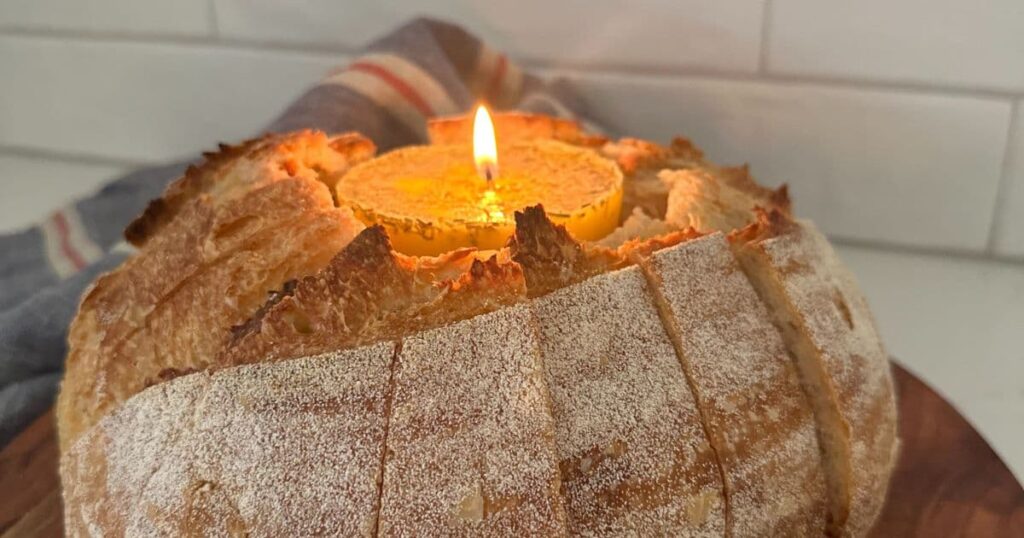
898 124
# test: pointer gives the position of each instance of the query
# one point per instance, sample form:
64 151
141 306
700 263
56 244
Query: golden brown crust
829 329
739 178
367 293
201 178
767 224
253 217
551 258
718 200
721 197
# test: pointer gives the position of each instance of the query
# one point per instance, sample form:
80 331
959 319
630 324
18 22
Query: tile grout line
1004 179
44 154
213 25
762 60
181 40
777 79
937 253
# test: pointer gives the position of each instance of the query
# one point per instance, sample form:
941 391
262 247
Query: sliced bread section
282 449
826 324
633 455
747 387
471 442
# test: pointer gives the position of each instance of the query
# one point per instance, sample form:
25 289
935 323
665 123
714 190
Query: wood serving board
948 481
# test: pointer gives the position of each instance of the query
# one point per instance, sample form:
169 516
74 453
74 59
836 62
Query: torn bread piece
640 162
637 226
551 259
717 199
826 324
677 185
748 388
246 221
282 449
471 443
368 293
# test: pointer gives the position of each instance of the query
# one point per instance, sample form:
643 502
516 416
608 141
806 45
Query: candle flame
485 149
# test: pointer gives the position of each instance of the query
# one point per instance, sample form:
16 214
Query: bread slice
368 293
248 220
471 443
747 387
826 324
633 455
283 449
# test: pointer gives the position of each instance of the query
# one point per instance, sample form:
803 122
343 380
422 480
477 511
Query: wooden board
948 481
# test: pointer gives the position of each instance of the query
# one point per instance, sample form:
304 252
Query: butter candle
436 198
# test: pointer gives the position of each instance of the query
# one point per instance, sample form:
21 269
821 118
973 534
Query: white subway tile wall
1008 231
709 34
186 18
973 45
143 101
890 120
920 169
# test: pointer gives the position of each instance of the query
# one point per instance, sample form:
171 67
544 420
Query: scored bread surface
243 223
749 389
471 443
281 449
818 296
633 455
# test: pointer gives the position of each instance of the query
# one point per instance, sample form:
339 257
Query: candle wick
489 172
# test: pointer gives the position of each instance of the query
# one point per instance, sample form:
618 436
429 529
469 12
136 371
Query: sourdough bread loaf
710 370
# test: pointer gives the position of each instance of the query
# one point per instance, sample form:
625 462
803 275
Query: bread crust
470 448
552 386
748 389
633 455
368 293
849 370
247 450
219 238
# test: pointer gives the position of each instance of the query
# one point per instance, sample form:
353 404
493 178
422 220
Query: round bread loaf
709 369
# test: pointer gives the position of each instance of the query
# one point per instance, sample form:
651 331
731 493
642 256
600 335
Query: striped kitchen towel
422 69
